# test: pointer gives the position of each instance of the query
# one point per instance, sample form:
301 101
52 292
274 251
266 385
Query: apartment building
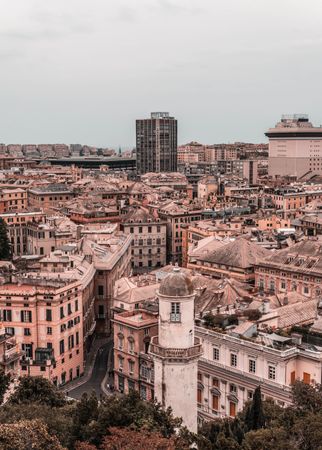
17 228
133 366
176 215
44 238
297 268
149 239
49 196
220 152
207 188
46 319
13 200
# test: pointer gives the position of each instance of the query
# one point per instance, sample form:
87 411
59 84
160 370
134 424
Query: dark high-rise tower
156 144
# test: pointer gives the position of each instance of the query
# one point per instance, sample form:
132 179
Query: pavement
97 376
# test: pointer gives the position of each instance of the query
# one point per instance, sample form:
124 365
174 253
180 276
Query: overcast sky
82 71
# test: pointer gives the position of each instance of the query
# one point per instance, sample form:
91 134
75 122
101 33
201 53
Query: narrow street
97 376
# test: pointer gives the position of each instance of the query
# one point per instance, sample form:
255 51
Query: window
26 332
306 378
283 285
252 366
101 290
233 388
215 402
131 366
49 315
232 409
70 342
62 315
215 382
146 332
61 347
199 396
7 315
175 315
233 359
76 305
27 349
69 308
131 346
271 372
143 392
215 353
49 330
121 343
121 363
199 376
10 330
25 316
77 338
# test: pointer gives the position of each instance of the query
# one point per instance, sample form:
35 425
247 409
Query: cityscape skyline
74 73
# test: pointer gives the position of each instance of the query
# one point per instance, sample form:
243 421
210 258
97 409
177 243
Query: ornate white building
176 350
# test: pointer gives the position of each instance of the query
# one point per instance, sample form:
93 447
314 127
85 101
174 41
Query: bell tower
176 349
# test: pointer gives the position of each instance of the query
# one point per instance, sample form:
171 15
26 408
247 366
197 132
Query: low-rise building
49 196
296 268
133 366
235 259
232 367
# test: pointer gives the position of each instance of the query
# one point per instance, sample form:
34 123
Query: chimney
296 338
266 306
285 300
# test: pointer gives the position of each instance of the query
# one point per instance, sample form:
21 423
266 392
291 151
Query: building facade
133 366
156 144
295 147
149 239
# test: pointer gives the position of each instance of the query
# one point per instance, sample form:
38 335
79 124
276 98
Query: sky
82 71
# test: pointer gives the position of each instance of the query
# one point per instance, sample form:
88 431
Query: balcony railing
175 353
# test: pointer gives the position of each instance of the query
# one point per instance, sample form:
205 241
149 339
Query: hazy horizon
82 72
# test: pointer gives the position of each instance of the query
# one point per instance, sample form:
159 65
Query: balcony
175 353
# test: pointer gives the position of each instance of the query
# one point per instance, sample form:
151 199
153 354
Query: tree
27 435
269 439
254 418
59 421
86 411
127 439
307 397
5 252
4 383
37 389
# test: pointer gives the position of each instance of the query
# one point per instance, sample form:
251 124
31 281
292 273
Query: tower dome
176 284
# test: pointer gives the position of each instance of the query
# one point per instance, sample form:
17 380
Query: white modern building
295 147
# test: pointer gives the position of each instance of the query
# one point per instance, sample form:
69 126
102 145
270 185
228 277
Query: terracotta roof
239 253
